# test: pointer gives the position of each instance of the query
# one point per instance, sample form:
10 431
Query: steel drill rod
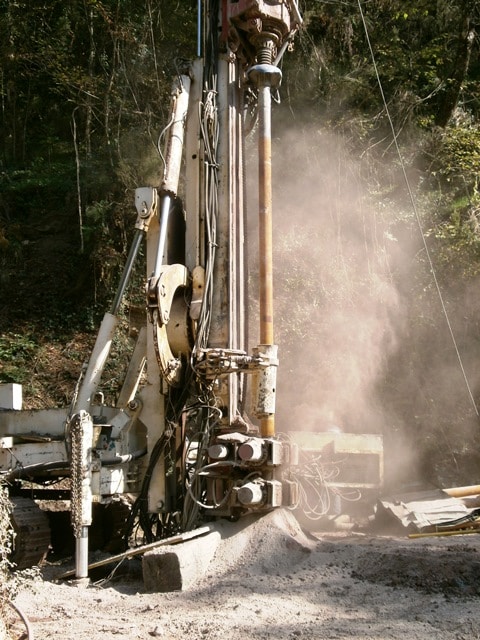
127 271
81 554
267 424
166 203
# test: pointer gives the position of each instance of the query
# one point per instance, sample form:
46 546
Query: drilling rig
192 434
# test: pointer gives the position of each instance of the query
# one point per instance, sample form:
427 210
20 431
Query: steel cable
415 210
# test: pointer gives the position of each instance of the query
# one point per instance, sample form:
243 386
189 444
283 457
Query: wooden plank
179 537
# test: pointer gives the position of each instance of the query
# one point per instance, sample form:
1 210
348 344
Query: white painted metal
28 453
11 396
96 363
194 250
46 422
175 135
135 370
265 383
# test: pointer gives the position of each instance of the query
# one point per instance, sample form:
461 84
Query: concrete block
175 568
11 396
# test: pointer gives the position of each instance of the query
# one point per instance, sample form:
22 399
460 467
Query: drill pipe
265 76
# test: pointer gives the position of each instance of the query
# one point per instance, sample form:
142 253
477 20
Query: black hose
32 470
140 506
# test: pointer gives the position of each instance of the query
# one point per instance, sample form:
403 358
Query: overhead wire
416 211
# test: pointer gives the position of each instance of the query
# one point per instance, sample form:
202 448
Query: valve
259 492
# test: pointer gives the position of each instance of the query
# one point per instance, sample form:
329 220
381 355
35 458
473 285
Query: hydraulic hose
31 470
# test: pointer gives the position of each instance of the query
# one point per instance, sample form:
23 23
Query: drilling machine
192 434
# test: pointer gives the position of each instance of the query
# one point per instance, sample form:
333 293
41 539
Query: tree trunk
91 65
459 69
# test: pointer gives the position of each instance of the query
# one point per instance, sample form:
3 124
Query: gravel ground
270 580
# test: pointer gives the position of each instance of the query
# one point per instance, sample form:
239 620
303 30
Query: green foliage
84 87
16 354
419 50
10 582
96 216
7 584
6 541
456 157
451 198
15 345
36 188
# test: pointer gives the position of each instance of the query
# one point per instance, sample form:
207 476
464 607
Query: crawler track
32 533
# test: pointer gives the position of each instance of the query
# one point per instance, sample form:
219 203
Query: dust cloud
349 329
338 313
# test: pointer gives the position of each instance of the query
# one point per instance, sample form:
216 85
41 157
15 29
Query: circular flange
171 342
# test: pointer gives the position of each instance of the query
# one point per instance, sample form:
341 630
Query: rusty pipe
265 224
266 77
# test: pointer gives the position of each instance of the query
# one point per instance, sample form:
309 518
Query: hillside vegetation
369 150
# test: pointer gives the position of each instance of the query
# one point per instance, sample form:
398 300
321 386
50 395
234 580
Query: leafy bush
7 584
10 582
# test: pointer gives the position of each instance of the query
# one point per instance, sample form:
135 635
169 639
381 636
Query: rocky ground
270 580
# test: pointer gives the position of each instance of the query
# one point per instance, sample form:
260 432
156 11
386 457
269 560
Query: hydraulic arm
193 429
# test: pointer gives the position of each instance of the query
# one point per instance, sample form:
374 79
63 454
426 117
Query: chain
80 425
